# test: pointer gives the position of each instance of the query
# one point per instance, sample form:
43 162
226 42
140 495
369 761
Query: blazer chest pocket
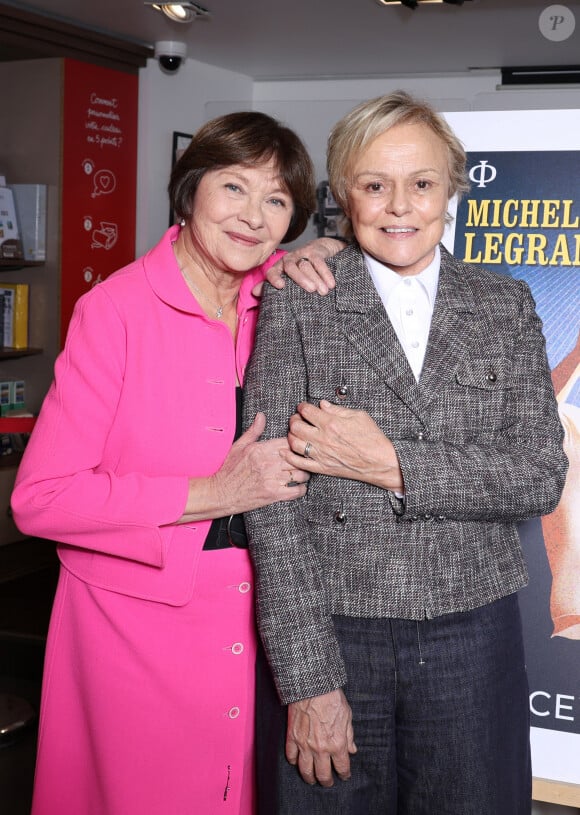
486 374
477 402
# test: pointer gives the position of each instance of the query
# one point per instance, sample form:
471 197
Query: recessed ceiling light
415 3
184 12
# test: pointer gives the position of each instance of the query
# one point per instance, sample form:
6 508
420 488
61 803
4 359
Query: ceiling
306 39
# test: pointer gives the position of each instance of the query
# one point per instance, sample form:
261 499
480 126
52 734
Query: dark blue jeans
440 710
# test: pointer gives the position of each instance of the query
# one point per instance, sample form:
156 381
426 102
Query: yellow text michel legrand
519 243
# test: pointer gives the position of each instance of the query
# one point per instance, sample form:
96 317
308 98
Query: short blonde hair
355 131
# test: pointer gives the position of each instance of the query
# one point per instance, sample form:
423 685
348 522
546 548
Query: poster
522 218
99 177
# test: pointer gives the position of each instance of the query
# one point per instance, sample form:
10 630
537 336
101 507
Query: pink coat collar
168 284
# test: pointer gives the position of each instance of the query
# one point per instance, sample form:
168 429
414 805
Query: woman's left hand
306 266
342 442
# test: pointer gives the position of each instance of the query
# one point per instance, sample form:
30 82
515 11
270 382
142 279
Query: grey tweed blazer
478 439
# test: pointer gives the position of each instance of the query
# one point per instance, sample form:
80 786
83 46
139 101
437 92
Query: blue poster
522 218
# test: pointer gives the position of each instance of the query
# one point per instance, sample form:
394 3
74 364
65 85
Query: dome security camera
170 55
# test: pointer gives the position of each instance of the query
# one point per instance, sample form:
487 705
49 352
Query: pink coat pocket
172 583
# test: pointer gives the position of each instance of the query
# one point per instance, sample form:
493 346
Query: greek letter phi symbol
483 173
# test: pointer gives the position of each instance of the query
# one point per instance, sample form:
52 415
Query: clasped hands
342 442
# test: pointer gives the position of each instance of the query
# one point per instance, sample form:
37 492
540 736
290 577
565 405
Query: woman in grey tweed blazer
419 397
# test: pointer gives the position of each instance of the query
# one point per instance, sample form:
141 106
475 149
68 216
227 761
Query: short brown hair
247 138
351 135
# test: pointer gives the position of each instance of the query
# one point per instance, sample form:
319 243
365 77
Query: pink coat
143 399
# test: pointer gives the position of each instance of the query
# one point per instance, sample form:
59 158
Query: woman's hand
320 737
306 266
254 474
342 442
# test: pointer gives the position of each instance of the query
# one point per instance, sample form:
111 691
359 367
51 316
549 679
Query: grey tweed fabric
478 439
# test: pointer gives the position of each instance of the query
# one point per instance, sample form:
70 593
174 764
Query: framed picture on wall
180 144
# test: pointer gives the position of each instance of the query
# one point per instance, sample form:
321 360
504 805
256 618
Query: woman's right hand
253 475
306 266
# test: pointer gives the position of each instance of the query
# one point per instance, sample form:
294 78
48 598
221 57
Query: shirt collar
386 280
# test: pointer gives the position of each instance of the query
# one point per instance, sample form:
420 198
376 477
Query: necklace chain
219 309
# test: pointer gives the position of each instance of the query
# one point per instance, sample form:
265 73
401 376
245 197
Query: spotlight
184 12
414 3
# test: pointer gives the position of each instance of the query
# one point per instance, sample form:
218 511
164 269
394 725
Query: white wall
311 108
168 103
198 92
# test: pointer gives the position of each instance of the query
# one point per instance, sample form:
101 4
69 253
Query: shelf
13 264
14 353
17 424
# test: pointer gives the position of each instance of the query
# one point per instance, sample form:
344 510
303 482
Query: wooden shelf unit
14 353
14 264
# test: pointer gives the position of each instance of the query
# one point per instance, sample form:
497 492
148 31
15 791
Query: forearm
293 617
124 517
379 466
206 501
292 608
477 482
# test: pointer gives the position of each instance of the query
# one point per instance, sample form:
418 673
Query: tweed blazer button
420 436
340 517
491 375
341 392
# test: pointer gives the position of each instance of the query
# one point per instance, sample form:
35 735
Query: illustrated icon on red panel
105 237
89 276
104 182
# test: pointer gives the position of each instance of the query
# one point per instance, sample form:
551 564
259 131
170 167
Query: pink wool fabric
148 691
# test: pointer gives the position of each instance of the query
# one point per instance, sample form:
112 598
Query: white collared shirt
409 303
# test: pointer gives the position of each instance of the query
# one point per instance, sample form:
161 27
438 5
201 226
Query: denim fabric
441 721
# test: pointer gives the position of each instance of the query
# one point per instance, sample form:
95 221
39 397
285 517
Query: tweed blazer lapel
450 332
375 339
372 335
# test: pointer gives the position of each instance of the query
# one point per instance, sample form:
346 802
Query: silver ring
299 261
307 450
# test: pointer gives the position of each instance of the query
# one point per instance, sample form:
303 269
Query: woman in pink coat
148 692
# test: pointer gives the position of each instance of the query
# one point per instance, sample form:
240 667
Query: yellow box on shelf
15 318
